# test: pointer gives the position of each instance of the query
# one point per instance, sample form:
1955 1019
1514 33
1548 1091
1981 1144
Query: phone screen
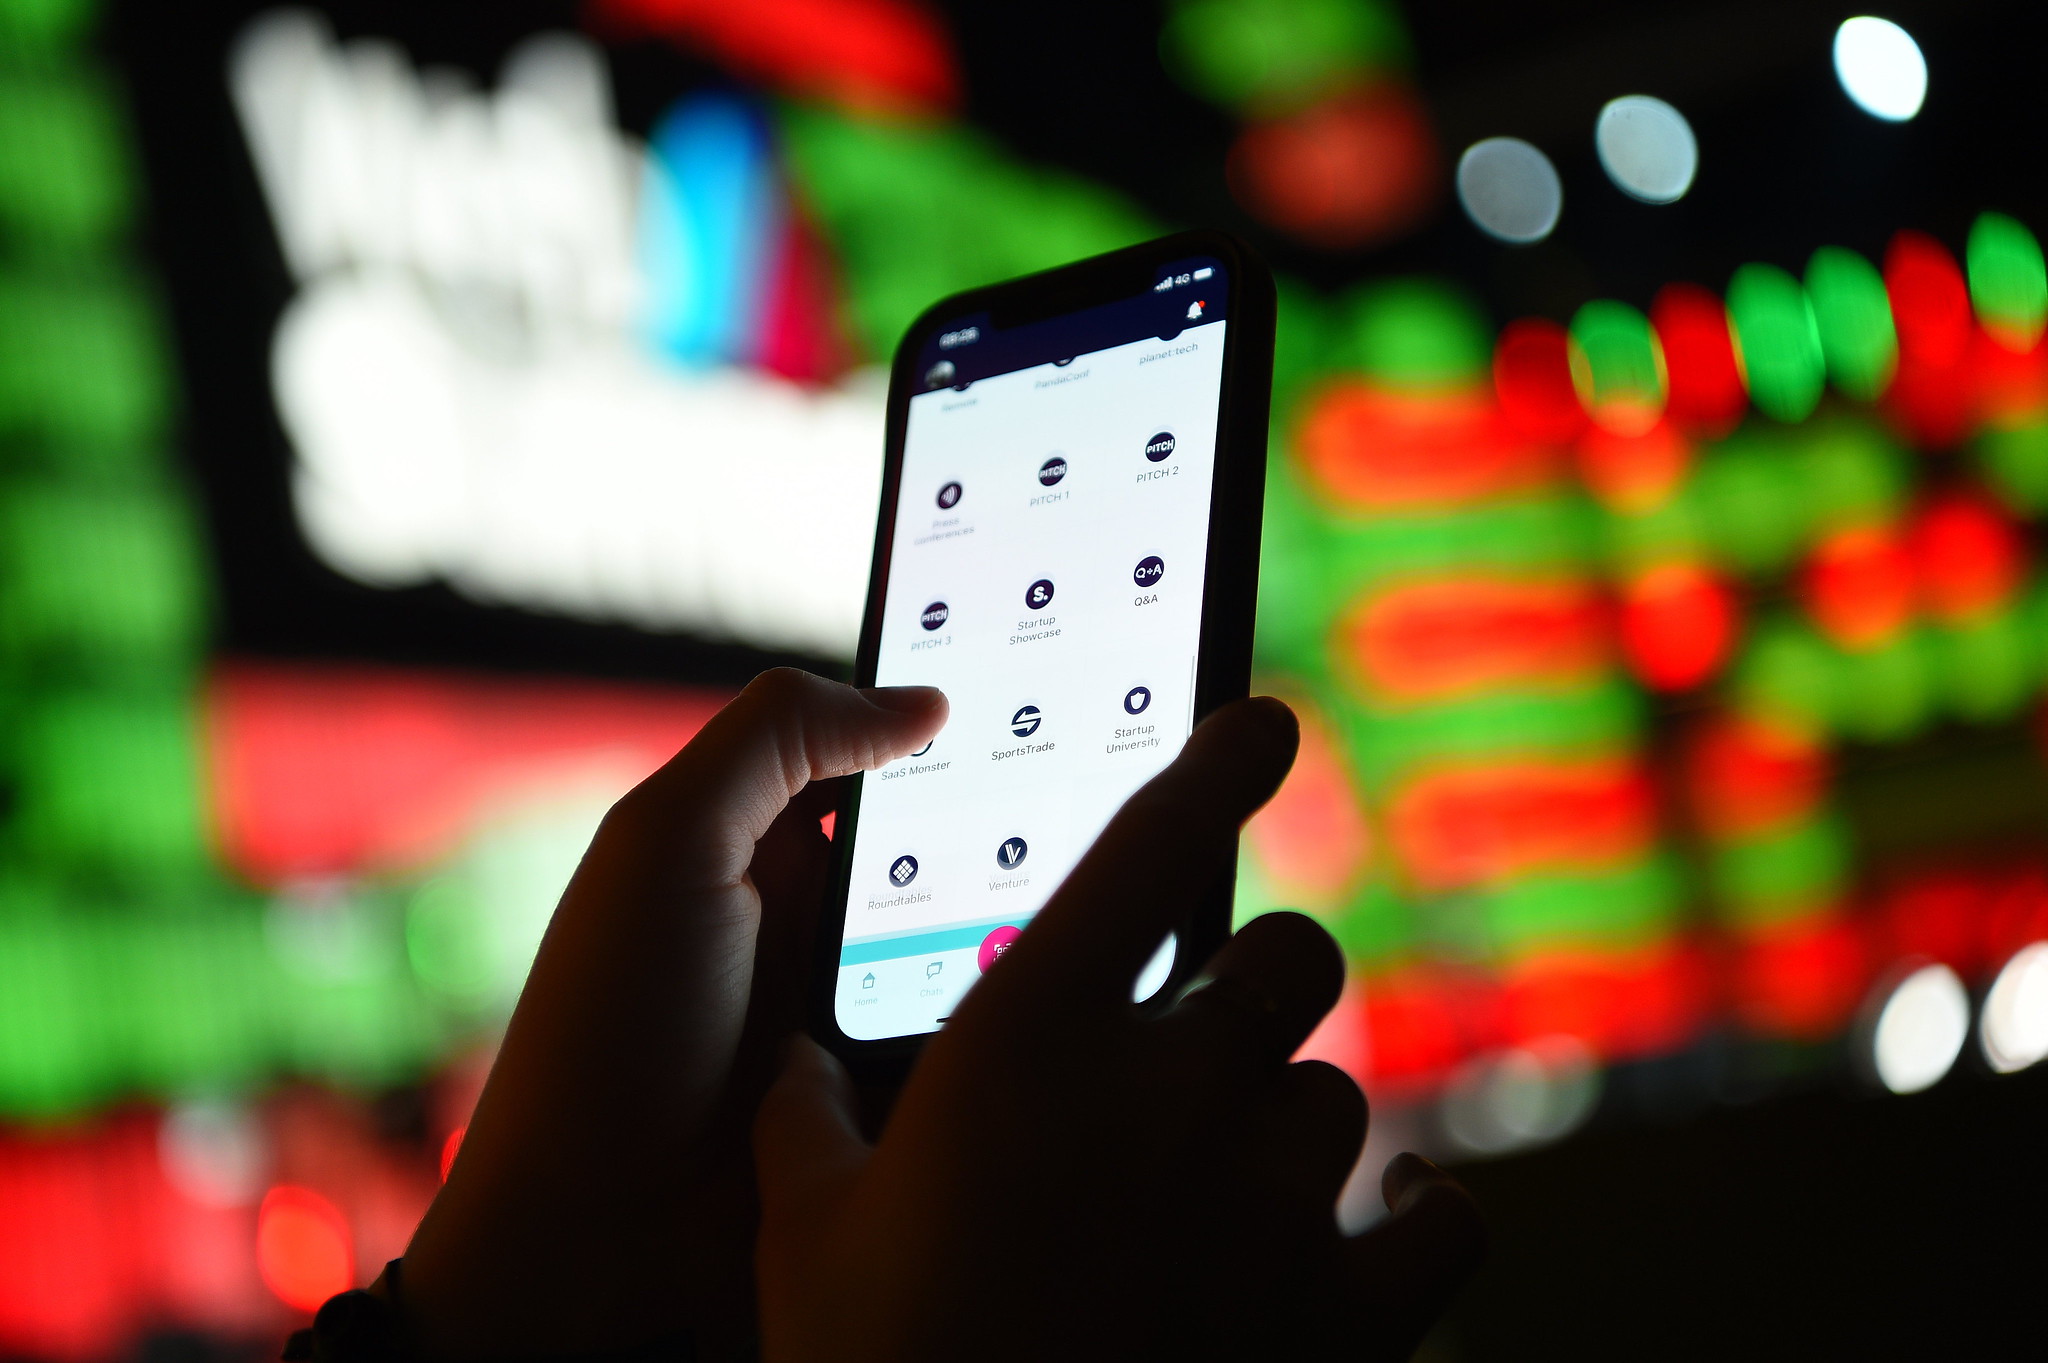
1045 570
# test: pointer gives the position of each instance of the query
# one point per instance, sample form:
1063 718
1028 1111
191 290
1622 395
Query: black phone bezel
1230 592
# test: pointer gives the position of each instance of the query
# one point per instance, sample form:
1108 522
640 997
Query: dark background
1811 1223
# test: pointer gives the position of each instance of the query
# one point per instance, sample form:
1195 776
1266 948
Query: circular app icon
1149 570
1136 699
939 375
903 870
936 614
1026 721
1037 596
994 945
1010 855
949 496
1052 470
1159 446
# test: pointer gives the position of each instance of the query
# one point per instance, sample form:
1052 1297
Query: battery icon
1204 272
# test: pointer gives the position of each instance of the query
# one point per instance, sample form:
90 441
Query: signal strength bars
1176 280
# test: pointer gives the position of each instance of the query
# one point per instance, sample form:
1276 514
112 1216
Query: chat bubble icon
934 968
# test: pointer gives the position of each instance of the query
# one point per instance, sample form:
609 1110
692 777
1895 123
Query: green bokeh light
1853 316
1412 334
1784 874
1265 56
919 211
1778 341
64 176
1617 364
2008 281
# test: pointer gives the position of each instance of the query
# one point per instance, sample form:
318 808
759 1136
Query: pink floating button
995 944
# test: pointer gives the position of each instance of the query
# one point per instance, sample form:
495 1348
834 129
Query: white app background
912 949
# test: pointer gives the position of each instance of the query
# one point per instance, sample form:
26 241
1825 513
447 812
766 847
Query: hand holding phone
1065 1176
1068 548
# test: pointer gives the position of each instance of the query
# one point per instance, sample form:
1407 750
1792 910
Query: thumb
807 1141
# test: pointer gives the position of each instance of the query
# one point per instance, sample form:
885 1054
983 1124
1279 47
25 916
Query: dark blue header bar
964 349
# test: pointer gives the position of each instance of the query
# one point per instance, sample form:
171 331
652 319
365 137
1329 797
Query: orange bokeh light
1369 449
1859 586
303 1249
1635 472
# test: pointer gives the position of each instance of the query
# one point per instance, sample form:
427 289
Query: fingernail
903 700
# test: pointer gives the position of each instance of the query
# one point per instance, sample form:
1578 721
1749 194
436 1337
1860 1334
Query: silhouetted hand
1063 1178
603 1196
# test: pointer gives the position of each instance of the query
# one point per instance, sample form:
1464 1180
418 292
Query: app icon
949 496
1026 721
1052 470
903 870
1011 854
939 375
1136 699
933 967
867 981
1160 446
994 945
1037 596
936 614
1149 570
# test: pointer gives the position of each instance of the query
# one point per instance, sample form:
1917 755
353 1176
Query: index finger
1169 842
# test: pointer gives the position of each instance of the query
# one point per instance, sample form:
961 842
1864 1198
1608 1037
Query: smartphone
1068 547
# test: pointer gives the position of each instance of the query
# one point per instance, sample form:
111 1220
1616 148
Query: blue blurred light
710 213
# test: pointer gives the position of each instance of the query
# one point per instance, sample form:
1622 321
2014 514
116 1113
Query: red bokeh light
1678 623
1351 170
1706 394
1444 637
2011 385
1746 776
1930 300
1420 1023
303 1247
799 337
1369 449
1968 557
1311 838
1532 377
1801 980
1859 586
1622 1004
1474 823
321 770
882 55
1933 406
1933 395
1634 472
1940 917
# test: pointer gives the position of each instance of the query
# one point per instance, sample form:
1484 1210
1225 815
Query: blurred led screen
417 420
